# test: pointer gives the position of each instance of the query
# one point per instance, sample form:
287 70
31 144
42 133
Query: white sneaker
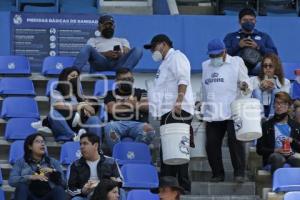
76 120
76 137
40 128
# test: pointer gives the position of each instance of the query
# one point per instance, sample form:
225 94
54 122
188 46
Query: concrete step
218 197
203 165
223 188
275 196
141 10
205 176
196 10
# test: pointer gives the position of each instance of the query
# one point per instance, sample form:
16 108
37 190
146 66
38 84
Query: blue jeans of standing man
116 130
62 131
98 62
23 193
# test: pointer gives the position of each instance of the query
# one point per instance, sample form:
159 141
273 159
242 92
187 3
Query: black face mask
74 82
108 33
280 117
126 87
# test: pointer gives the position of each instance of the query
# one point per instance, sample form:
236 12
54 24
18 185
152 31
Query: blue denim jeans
22 192
98 62
116 130
62 131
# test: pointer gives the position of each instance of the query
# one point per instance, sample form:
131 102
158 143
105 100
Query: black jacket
80 173
266 144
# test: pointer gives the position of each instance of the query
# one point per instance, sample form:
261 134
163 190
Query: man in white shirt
174 102
106 52
224 79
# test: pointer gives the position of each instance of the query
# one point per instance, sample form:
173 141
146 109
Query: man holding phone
106 52
249 43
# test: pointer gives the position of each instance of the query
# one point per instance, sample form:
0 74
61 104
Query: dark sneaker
216 179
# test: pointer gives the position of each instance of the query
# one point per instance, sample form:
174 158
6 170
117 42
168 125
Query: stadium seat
53 65
16 86
52 83
44 3
139 176
19 128
141 194
286 180
6 5
80 2
73 8
14 65
41 9
102 87
292 196
289 69
19 107
131 152
1 180
16 151
2 196
70 151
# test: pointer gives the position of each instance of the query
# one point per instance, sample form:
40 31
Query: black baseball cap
105 18
246 11
158 39
168 181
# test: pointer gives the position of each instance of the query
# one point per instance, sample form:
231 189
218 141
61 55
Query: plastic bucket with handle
199 139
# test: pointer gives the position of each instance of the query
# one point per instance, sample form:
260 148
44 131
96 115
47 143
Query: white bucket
246 114
199 139
175 141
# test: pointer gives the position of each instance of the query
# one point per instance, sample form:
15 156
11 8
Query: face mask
280 117
126 87
108 33
248 26
157 56
217 62
74 82
297 79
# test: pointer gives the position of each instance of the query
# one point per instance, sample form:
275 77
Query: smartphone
117 48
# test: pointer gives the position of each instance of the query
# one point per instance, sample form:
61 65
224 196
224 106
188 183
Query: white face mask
157 56
217 62
297 79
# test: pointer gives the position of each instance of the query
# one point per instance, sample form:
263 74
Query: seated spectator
297 111
280 142
71 113
106 52
249 43
269 81
295 88
169 188
127 109
36 175
107 189
90 169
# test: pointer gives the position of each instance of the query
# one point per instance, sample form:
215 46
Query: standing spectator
90 169
269 81
107 189
174 84
36 175
169 188
224 79
279 130
67 105
249 43
127 109
106 52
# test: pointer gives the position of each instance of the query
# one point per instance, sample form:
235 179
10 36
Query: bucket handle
169 115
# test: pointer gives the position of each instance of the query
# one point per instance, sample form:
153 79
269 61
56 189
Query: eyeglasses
126 79
267 65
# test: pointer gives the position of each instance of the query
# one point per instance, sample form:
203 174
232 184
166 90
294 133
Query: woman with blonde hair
270 81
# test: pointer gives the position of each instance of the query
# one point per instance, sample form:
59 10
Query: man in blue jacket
248 42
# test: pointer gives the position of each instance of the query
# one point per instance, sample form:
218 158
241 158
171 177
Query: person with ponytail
280 142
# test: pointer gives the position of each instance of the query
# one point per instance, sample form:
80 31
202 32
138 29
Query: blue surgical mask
217 62
248 26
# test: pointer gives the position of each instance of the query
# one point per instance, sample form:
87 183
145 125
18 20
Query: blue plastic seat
73 8
14 65
139 176
2 196
16 151
16 86
141 194
51 85
286 180
19 128
40 9
103 86
19 107
53 65
131 152
70 151
1 180
79 2
292 196
289 69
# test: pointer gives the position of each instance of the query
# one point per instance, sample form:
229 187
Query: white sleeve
91 42
243 77
181 69
125 43
286 87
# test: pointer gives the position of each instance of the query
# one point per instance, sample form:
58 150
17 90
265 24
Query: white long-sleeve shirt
174 70
220 87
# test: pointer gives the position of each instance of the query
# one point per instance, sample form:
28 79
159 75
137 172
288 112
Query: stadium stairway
200 173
